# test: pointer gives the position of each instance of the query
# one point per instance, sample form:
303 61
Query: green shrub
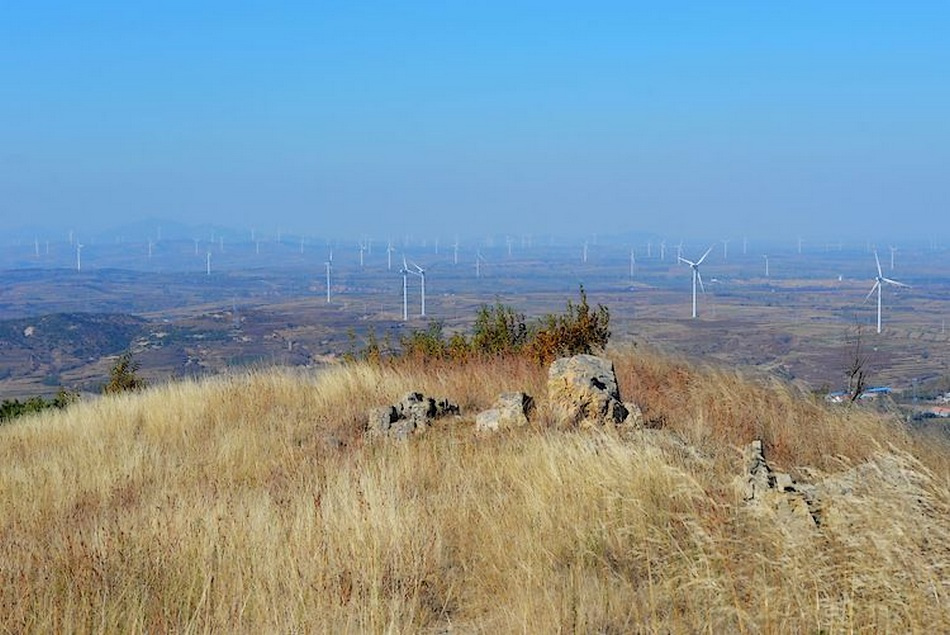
13 408
124 375
499 330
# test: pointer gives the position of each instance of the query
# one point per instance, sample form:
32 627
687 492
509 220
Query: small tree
124 375
857 368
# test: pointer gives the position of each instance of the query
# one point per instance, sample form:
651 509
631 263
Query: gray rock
583 391
412 415
510 410
795 503
380 419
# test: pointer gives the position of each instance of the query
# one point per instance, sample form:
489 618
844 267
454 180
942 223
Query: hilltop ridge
255 502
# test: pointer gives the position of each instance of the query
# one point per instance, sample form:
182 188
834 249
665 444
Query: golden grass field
253 503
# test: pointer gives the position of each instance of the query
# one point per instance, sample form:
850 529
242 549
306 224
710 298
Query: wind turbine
663 250
389 255
585 251
766 264
633 261
328 264
79 256
725 249
478 263
878 286
455 250
893 250
405 289
208 262
696 275
422 276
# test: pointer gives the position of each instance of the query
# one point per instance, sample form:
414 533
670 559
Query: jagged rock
510 410
412 415
796 503
381 419
634 414
583 391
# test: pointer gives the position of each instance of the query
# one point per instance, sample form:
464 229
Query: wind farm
785 312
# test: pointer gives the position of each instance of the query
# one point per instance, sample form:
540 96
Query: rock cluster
412 415
510 410
583 392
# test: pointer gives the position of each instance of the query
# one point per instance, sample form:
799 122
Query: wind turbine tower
405 289
422 277
208 262
766 265
328 264
893 251
878 286
79 256
696 275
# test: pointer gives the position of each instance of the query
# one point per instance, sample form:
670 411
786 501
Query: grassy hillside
253 503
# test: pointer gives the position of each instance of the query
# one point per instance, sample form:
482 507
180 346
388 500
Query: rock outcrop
412 415
510 410
582 391
760 485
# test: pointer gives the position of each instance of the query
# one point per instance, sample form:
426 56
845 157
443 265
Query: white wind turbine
329 265
696 275
405 289
878 286
766 256
478 263
389 255
422 276
633 261
455 250
79 247
893 251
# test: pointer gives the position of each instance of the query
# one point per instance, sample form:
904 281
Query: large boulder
582 391
510 410
412 415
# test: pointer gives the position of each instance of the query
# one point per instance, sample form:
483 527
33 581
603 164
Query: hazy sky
339 118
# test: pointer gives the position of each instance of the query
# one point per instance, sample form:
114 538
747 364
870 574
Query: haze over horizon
683 119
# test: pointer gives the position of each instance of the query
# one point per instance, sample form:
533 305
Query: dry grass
254 504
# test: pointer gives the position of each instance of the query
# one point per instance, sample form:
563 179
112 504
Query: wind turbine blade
878 261
895 282
871 292
690 263
699 277
704 255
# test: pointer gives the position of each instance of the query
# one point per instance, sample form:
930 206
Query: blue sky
343 118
